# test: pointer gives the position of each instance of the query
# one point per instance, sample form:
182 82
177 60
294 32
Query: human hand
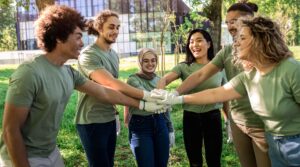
148 96
228 131
161 93
172 139
118 125
150 106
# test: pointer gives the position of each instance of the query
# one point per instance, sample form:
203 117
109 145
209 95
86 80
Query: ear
208 44
58 41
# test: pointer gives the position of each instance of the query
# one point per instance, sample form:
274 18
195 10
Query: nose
81 44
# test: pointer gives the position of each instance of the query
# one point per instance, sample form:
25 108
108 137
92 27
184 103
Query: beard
108 41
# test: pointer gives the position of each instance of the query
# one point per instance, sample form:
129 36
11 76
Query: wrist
142 105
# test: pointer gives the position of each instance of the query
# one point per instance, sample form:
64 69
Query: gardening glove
171 99
118 125
161 93
147 96
150 106
172 139
228 131
163 110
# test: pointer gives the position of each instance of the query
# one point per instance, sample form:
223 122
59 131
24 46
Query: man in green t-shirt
39 90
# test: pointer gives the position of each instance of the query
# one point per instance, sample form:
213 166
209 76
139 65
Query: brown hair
268 45
56 22
245 8
95 24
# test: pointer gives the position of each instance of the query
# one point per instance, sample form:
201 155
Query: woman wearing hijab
148 132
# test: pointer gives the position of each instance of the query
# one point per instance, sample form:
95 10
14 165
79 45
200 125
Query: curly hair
268 45
56 22
95 24
189 58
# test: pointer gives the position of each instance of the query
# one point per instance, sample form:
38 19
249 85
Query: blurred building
141 22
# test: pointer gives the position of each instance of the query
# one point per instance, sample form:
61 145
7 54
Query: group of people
263 93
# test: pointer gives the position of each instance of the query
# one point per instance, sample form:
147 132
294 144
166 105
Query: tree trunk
214 12
41 4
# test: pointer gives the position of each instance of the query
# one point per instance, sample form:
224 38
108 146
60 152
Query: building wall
141 23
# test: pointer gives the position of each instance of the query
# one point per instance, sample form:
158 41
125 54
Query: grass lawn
69 143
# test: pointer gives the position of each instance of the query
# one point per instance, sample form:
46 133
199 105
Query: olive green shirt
240 109
142 84
89 109
184 70
275 96
45 89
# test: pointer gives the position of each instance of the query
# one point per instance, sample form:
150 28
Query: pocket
290 148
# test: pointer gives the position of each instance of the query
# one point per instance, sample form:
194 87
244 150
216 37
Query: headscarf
143 74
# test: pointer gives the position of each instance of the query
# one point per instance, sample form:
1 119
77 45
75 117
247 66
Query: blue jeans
99 142
149 140
284 151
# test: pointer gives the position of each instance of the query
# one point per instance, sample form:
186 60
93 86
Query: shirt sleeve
22 87
78 78
134 82
89 61
238 85
177 69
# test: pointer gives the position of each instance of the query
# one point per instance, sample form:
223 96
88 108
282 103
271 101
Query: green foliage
285 12
8 39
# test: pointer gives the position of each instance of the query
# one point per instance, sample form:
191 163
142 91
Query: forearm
115 97
188 84
210 96
15 147
161 84
126 89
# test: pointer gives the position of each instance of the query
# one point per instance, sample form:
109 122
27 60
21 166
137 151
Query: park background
169 42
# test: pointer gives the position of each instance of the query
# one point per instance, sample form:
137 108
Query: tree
8 39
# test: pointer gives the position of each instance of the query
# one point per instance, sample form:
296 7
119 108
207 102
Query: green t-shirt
142 84
148 85
184 70
45 89
240 109
89 109
275 97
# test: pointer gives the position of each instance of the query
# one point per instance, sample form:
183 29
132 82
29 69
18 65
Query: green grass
69 143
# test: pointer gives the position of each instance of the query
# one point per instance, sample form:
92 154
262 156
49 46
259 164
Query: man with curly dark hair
39 90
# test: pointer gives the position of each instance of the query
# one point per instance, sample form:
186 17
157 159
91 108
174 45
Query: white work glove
171 99
150 106
228 131
164 109
172 139
161 93
118 125
147 96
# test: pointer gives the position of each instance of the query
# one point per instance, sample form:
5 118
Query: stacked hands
159 100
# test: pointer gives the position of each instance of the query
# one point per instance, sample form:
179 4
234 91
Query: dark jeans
149 140
99 142
199 127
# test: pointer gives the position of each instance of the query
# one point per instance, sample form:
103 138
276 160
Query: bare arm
126 116
197 78
210 96
225 110
105 78
166 80
13 119
107 95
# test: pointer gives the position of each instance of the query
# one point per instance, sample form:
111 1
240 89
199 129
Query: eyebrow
79 33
